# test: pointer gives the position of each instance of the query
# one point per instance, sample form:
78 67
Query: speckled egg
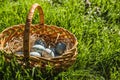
60 48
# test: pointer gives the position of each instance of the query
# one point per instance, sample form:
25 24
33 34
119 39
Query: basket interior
12 38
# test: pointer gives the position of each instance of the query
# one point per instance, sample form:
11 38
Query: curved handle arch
26 35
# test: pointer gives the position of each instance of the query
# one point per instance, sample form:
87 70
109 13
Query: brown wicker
22 36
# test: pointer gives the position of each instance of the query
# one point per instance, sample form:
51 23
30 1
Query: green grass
97 32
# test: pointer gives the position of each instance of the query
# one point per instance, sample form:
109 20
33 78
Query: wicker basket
51 34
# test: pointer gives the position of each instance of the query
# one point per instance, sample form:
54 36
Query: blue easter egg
55 53
40 42
60 48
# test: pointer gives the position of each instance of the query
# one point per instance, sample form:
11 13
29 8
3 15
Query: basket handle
26 35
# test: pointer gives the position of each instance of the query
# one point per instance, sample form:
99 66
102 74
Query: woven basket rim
44 25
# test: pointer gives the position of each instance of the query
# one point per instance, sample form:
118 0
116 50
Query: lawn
96 27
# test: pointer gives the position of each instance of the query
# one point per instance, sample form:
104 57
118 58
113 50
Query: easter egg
38 48
60 48
35 54
40 42
46 54
50 52
54 51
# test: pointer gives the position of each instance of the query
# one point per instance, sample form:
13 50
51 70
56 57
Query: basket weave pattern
23 36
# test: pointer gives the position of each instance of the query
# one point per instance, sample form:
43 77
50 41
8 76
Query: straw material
22 37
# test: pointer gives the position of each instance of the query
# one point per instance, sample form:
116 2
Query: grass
96 28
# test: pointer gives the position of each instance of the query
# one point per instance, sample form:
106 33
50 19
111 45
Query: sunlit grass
97 30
